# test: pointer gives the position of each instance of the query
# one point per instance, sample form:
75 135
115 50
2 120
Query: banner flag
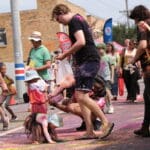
107 31
64 41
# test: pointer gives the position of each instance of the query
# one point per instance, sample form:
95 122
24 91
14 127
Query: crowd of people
85 87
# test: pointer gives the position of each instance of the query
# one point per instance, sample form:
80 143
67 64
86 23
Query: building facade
40 20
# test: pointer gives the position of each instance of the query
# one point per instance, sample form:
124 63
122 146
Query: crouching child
42 127
37 123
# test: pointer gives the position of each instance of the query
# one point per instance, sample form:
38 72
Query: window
3 40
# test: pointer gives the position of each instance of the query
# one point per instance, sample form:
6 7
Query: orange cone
12 101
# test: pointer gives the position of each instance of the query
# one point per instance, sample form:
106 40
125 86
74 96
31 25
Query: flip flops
107 130
86 137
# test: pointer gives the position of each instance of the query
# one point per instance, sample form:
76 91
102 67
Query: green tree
121 32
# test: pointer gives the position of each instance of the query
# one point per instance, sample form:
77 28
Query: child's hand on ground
35 142
51 142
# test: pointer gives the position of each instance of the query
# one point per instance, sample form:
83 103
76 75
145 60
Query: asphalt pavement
127 117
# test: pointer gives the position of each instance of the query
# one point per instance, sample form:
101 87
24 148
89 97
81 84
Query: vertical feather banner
107 31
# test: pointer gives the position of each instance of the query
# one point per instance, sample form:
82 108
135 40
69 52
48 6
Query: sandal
87 137
107 130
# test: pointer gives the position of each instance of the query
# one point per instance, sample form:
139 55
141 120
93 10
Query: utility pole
17 46
127 13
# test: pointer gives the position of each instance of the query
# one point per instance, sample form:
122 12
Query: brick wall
37 19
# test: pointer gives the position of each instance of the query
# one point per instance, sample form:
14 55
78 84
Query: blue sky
101 8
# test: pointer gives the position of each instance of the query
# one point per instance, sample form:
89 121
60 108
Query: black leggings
146 121
131 84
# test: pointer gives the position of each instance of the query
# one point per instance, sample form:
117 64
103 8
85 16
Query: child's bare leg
108 96
74 108
29 107
56 91
7 101
108 99
4 117
42 119
2 113
66 83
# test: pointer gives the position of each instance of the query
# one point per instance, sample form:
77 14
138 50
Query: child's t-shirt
36 92
10 84
104 70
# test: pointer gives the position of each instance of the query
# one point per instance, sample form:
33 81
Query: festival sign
64 40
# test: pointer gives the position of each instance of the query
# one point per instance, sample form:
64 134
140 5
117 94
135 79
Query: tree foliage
121 32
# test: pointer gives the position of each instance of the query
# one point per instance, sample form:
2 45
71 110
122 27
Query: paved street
127 117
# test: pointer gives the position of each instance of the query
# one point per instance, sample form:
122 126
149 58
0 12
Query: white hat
30 75
35 36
